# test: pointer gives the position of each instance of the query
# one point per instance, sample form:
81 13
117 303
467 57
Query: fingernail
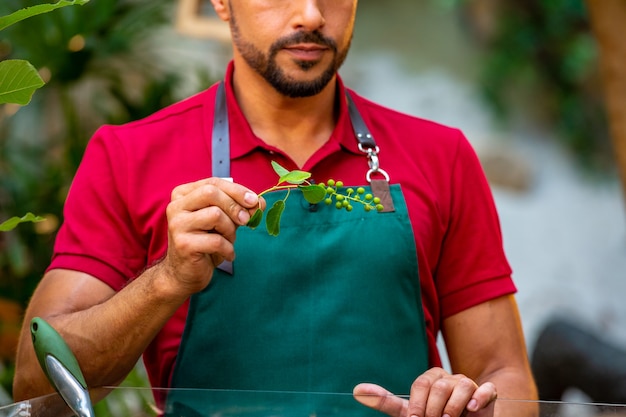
250 198
244 217
472 405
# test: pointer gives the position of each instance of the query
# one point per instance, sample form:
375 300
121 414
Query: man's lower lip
306 54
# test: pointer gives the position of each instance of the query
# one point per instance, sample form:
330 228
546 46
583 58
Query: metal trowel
61 367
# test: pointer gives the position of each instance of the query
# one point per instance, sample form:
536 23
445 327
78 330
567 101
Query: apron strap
361 132
221 137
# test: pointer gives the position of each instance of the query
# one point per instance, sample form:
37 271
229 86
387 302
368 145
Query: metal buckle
373 162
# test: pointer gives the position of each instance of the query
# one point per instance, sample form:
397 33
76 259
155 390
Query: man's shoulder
190 107
391 123
186 114
397 120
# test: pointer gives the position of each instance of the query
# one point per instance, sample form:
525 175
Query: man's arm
108 331
488 356
486 343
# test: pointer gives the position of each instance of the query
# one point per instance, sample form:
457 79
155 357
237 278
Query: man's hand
435 393
203 217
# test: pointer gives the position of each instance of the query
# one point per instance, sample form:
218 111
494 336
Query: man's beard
267 67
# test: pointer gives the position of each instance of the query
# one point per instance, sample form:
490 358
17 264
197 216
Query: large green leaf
6 21
272 221
313 193
18 81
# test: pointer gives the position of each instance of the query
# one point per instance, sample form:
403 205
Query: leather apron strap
303 313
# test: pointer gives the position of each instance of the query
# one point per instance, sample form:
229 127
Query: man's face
297 46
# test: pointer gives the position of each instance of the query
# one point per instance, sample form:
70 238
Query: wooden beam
608 18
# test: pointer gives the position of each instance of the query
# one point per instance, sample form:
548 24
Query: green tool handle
48 342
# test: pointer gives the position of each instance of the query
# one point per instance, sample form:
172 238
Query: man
339 300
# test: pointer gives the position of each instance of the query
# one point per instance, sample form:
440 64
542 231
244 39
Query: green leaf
14 221
18 81
279 169
313 193
295 177
273 218
6 21
255 220
291 177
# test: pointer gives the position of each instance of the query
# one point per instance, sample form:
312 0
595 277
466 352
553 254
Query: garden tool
61 367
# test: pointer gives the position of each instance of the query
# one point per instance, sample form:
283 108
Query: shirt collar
244 141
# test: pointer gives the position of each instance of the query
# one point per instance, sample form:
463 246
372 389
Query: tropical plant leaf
272 220
14 221
313 193
18 81
6 21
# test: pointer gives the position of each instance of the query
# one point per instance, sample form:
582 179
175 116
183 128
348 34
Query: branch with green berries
330 193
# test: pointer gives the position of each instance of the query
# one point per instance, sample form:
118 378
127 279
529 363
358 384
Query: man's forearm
108 338
513 384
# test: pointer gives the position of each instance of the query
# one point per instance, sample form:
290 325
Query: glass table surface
140 402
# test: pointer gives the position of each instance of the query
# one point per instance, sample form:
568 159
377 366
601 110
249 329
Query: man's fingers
378 398
421 393
434 393
236 201
485 395
184 189
456 398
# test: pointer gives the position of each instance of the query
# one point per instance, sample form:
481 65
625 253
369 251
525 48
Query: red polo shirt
115 224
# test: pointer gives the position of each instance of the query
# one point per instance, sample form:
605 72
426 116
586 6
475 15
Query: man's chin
300 89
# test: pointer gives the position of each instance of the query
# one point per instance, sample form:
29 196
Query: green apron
333 301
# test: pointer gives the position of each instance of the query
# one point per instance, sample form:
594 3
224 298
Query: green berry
349 207
339 197
338 205
360 190
331 183
328 201
367 208
376 200
345 203
339 184
379 207
330 190
349 191
368 197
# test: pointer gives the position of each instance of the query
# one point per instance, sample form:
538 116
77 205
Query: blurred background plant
101 65
541 59
100 68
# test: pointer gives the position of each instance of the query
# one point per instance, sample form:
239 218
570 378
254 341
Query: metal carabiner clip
373 162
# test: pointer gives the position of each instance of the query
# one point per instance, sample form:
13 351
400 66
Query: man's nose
308 15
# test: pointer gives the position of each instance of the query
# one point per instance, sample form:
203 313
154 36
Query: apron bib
333 301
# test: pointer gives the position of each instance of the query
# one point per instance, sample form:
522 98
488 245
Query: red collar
244 141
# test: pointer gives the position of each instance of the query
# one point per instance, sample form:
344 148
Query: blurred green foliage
101 65
541 58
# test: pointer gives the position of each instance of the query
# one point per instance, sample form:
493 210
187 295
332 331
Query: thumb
378 398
